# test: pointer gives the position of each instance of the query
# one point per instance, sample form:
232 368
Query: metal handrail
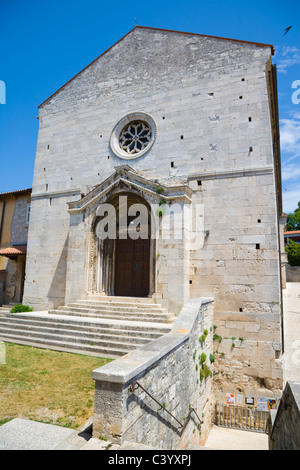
135 385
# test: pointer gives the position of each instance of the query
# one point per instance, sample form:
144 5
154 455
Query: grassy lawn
49 386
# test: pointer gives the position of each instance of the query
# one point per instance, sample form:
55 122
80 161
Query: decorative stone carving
133 135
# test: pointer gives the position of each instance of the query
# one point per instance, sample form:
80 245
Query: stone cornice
231 173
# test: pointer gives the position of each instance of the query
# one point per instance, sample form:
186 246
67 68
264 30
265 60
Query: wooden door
132 267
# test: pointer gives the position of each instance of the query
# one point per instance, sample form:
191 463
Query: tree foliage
293 253
293 220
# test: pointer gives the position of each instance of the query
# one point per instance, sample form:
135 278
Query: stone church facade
186 126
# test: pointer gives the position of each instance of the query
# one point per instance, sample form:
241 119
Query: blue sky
44 44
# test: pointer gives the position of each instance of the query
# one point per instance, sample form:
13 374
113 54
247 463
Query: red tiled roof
257 44
17 192
295 232
13 251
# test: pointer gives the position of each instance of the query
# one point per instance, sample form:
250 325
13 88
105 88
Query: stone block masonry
213 103
169 369
284 425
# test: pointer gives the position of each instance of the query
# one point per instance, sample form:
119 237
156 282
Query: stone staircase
104 326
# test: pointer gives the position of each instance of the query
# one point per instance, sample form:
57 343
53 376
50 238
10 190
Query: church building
157 175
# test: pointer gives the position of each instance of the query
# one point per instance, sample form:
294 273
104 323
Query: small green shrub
205 372
202 339
21 308
162 201
212 358
217 338
202 358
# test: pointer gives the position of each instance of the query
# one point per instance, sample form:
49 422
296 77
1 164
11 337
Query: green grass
48 386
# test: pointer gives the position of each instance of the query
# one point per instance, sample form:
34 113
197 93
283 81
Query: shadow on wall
57 290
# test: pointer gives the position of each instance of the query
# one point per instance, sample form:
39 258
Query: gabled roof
163 30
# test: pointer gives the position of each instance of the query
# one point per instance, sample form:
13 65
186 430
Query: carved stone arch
104 254
84 211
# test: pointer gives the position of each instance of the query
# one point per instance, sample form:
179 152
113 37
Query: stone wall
2 285
292 273
169 369
211 100
284 426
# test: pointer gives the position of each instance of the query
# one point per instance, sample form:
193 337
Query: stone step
83 340
86 336
118 306
4 309
60 345
82 335
131 330
95 322
113 298
145 317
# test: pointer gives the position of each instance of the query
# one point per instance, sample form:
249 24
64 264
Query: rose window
135 137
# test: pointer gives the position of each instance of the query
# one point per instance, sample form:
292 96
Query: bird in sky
287 30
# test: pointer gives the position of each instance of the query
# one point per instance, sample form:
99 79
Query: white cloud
290 198
290 156
290 135
290 172
286 57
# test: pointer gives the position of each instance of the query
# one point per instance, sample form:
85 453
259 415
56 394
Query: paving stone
24 434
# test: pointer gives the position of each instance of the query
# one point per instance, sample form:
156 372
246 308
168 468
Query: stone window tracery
133 135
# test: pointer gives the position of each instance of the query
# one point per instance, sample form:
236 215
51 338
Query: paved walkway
235 439
291 331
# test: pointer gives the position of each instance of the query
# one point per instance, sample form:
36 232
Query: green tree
293 220
293 252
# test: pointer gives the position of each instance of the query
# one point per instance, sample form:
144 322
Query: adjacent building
14 223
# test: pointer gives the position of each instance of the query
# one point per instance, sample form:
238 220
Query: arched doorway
124 265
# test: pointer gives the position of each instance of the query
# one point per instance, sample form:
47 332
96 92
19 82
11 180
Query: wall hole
257 246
